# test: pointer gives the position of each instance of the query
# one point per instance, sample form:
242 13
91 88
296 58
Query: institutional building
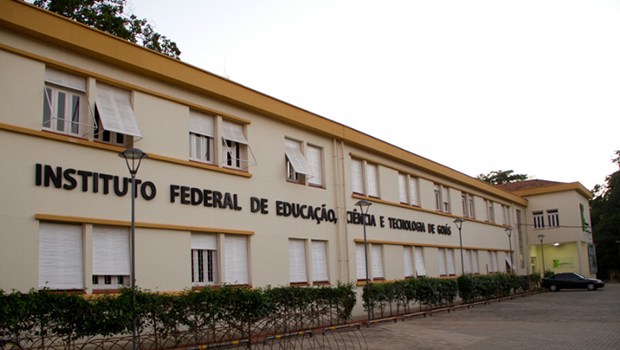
238 188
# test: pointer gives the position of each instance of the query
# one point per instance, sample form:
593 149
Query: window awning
509 262
115 111
297 159
233 132
201 124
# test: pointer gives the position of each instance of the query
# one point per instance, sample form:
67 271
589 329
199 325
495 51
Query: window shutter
442 262
202 124
357 180
111 251
508 261
407 262
474 260
297 261
413 191
65 79
236 259
115 110
450 256
372 178
233 132
402 188
319 261
60 256
377 261
467 260
316 161
204 241
360 259
297 159
420 268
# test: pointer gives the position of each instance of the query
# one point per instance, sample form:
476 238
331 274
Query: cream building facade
558 226
238 187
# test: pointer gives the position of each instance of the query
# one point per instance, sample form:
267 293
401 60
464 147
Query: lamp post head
363 204
509 231
135 155
541 237
459 223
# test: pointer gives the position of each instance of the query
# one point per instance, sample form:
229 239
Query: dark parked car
571 280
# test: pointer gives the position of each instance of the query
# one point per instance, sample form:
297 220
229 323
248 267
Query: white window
450 262
468 205
420 267
297 167
64 102
408 189
115 119
465 204
539 219
297 261
315 159
408 261
437 192
402 189
445 196
493 262
365 178
319 262
372 180
467 261
553 218
204 259
360 262
236 147
110 257
442 262
60 256
490 210
236 259
376 260
505 215
475 262
201 136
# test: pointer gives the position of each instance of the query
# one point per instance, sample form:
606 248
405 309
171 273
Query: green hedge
393 298
44 316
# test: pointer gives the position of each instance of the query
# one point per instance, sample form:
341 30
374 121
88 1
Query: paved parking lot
569 319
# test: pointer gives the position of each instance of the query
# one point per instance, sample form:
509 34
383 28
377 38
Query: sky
475 85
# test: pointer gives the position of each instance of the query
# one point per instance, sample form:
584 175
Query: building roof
536 187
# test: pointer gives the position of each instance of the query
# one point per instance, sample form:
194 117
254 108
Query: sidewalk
569 319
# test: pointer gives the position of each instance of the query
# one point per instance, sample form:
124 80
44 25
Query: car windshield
578 275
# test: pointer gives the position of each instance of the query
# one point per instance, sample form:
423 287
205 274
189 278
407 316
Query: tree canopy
110 17
500 177
605 213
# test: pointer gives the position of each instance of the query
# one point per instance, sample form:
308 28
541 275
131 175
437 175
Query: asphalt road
569 319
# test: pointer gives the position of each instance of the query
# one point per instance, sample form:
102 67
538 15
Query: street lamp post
459 224
365 204
541 237
133 157
509 234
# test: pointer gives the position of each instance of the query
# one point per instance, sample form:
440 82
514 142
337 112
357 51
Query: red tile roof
527 184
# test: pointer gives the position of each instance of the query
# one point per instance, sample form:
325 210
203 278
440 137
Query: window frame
365 181
111 257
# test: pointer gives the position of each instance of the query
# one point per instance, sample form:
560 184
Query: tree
500 177
110 17
605 213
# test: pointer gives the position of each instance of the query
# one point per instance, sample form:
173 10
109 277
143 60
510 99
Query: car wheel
591 286
553 288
